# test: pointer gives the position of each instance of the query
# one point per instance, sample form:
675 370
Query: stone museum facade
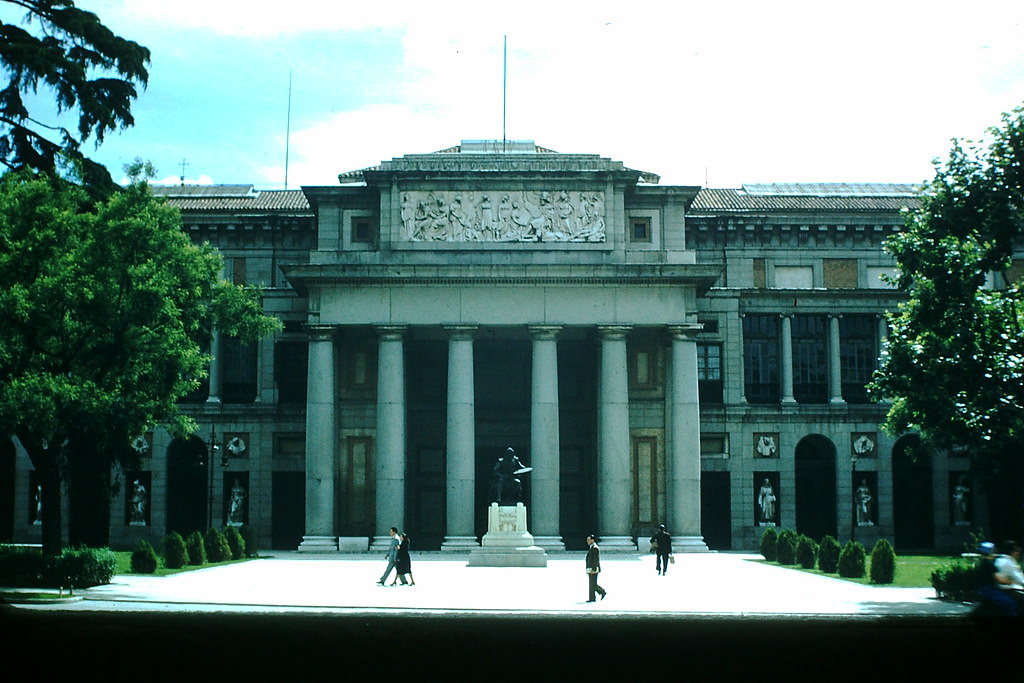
675 354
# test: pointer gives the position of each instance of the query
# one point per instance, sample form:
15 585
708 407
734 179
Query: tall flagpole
504 89
288 130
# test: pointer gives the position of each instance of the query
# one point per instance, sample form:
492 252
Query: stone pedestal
507 543
318 544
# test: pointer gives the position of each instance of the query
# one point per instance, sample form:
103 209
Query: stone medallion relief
513 216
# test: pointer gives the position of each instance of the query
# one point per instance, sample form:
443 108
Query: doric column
835 375
389 464
615 482
786 356
320 443
684 459
460 460
544 440
213 395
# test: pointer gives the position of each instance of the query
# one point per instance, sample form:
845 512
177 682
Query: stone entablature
503 216
515 163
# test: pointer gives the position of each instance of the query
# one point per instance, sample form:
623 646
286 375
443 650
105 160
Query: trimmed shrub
175 552
20 566
806 551
144 558
770 544
955 581
196 548
80 567
828 554
851 560
249 536
235 542
883 562
786 550
217 548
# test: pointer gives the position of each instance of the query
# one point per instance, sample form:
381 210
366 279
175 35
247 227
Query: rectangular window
709 373
810 358
640 229
761 358
858 355
291 360
362 229
238 274
239 371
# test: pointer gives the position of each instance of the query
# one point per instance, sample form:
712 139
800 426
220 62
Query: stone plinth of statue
507 542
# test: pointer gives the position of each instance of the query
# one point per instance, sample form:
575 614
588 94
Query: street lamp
214 448
853 496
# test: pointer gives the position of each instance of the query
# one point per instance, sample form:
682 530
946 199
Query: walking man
661 543
593 569
391 555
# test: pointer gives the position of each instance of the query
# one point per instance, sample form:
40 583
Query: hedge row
26 567
216 545
849 561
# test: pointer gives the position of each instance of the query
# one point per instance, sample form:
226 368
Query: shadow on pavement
213 645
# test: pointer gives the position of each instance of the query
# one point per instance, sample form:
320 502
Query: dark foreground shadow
217 646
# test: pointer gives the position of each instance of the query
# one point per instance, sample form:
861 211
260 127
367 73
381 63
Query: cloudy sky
701 93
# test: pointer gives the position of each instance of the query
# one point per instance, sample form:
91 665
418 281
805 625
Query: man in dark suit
593 569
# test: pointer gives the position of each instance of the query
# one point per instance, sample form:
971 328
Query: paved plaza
704 584
304 614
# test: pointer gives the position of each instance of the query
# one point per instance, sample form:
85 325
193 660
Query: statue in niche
961 502
865 504
139 503
38 495
236 508
766 503
506 487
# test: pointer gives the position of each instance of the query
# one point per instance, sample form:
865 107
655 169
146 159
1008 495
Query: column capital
318 332
685 331
460 331
544 332
392 332
613 332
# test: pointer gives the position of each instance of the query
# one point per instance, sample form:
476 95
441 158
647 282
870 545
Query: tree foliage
955 355
954 362
69 53
107 309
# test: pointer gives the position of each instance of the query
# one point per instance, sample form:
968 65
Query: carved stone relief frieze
512 216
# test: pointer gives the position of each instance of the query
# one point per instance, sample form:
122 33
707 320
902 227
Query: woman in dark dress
403 562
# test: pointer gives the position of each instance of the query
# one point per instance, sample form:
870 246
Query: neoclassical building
676 354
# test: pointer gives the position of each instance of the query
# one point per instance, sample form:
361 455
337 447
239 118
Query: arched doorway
816 487
187 492
912 500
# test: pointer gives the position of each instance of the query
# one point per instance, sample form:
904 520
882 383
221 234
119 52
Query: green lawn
912 571
124 565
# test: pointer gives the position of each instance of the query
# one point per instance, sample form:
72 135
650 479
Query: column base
318 544
549 543
459 544
616 544
689 544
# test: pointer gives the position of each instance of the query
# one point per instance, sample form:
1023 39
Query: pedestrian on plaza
593 569
391 555
989 583
403 563
1008 567
661 545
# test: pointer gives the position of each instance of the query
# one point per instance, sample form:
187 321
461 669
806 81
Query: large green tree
954 367
106 308
84 68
